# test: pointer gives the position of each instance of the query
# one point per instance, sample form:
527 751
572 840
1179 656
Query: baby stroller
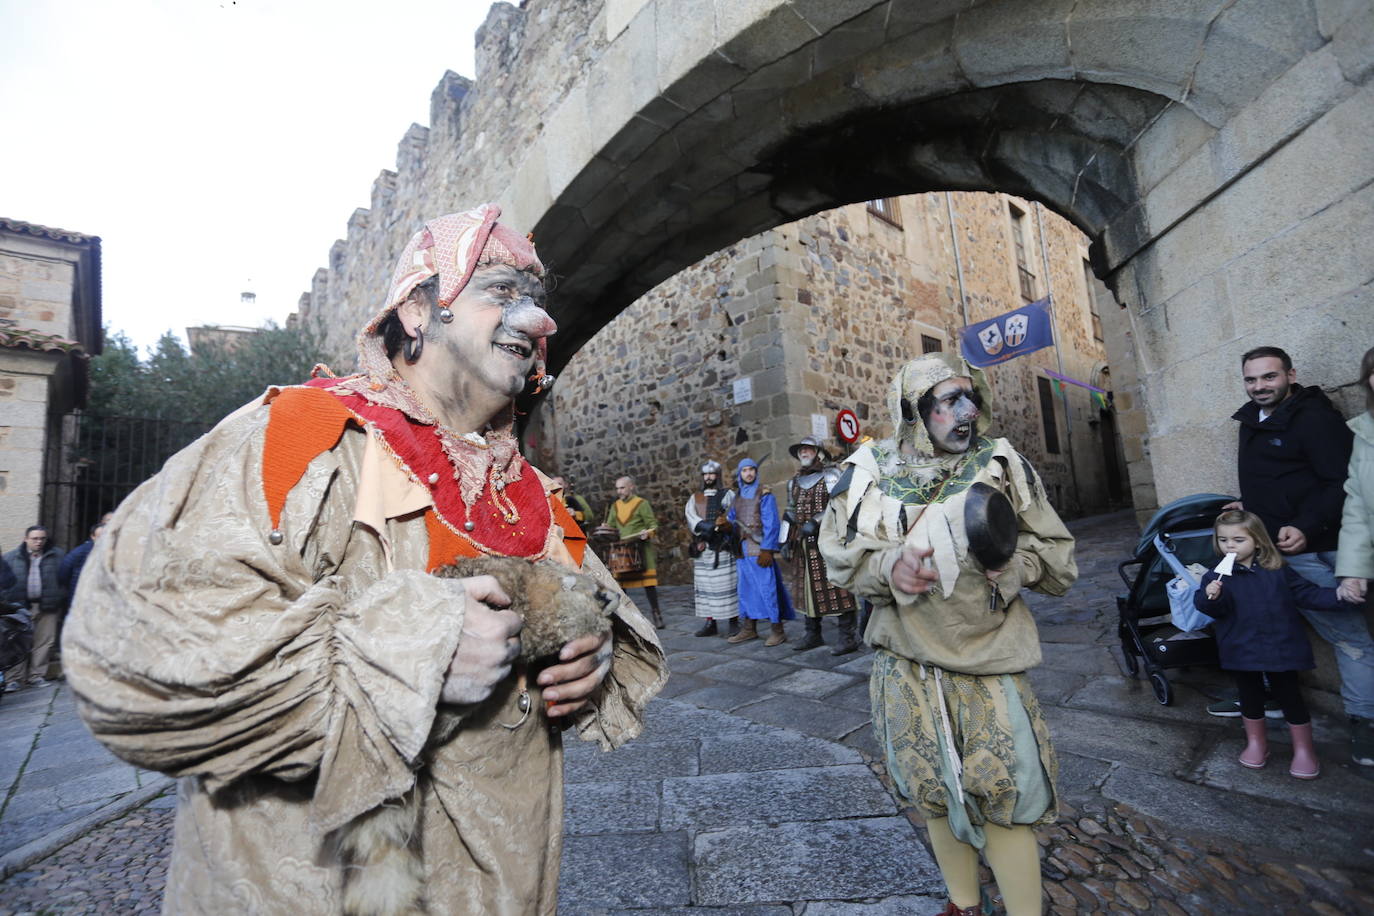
1180 534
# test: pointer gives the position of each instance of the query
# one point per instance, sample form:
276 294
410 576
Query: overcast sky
214 146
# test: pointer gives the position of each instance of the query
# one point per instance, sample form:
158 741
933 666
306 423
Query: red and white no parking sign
847 426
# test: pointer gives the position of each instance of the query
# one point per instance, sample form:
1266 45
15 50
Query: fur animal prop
384 873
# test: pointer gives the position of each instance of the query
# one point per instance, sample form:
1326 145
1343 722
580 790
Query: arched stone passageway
1215 151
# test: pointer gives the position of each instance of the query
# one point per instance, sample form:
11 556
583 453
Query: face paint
489 348
954 417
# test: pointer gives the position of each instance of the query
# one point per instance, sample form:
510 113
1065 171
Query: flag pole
958 262
1058 354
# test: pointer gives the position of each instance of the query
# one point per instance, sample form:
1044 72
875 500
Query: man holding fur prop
941 527
354 734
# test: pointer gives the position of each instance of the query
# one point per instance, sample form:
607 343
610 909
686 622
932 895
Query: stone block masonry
816 316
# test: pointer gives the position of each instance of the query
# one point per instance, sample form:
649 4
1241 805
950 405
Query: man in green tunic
954 712
633 518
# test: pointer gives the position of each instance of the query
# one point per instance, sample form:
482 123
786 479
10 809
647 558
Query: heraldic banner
1008 336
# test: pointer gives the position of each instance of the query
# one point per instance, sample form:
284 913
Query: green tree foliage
198 386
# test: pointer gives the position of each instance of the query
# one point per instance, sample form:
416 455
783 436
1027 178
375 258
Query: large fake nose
965 410
524 317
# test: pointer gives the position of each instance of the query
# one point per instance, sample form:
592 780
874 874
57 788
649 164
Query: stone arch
1205 146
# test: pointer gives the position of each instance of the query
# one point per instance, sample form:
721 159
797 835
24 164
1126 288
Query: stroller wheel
1160 684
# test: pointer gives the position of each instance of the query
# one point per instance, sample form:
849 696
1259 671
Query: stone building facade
816 316
49 326
1217 155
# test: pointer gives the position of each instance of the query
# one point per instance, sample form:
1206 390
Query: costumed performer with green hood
953 710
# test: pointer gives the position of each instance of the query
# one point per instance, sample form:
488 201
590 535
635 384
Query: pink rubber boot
1256 751
1305 764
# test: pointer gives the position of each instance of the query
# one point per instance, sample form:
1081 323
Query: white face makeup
1266 381
1235 539
489 348
954 417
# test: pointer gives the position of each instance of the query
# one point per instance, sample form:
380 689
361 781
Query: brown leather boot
747 631
812 638
776 636
848 643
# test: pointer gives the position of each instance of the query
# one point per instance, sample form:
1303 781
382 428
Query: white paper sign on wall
820 426
744 390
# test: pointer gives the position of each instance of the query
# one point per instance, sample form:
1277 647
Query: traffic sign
847 426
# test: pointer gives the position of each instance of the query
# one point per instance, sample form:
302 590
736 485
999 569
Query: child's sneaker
1230 709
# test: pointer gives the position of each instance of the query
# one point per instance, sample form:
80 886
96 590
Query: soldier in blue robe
762 596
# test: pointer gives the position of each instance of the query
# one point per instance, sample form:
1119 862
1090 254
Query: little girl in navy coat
1260 634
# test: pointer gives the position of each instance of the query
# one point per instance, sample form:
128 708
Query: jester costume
961 730
259 620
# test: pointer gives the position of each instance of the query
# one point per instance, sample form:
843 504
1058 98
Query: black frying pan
991 525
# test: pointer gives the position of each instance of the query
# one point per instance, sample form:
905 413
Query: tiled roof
46 232
25 338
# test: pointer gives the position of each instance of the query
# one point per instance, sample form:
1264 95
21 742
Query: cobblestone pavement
756 749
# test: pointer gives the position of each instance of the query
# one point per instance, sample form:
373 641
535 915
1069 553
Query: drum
626 558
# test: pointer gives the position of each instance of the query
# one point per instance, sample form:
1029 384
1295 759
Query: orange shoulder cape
308 420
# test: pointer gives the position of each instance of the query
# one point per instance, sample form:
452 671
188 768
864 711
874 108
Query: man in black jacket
35 566
1293 455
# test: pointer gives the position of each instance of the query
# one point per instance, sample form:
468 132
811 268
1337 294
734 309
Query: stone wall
1217 154
36 289
526 61
817 315
25 377
49 303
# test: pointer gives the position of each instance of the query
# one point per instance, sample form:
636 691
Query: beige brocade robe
955 629
293 687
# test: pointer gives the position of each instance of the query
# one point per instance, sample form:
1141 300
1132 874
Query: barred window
885 208
1018 239
1047 415
1090 281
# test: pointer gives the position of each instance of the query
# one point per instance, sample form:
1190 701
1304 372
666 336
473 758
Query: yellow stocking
1014 858
958 863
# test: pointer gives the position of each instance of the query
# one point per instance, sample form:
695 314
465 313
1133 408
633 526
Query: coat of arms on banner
991 339
1017 325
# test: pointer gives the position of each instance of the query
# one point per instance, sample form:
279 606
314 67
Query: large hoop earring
414 346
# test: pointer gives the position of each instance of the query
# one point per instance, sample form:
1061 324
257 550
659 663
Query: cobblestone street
752 746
